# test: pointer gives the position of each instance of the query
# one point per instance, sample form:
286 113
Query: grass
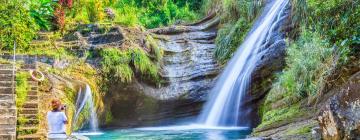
301 130
22 88
156 50
309 61
229 39
277 115
237 17
116 64
143 64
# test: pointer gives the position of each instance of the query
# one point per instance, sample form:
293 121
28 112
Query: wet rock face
340 118
130 107
188 70
188 67
271 61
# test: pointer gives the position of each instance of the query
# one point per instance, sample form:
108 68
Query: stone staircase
7 103
28 129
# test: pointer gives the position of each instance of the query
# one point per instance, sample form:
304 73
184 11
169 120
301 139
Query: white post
13 71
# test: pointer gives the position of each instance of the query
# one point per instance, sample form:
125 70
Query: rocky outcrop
340 118
188 66
270 61
188 70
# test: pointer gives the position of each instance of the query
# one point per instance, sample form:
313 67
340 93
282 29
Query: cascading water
85 98
223 107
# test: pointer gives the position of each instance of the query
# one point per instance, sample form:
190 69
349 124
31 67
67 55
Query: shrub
126 14
22 87
143 64
236 19
16 24
229 39
95 11
308 62
42 12
116 64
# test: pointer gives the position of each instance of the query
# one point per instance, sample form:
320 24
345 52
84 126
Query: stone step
6 66
6 83
6 77
30 137
6 90
28 127
33 83
29 111
29 116
6 71
28 66
32 92
7 129
25 131
7 137
31 122
30 105
7 104
32 97
34 88
7 120
7 111
6 96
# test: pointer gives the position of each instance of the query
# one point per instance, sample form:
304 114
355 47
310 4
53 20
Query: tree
16 24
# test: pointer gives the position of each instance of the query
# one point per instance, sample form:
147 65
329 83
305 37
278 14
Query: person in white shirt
57 120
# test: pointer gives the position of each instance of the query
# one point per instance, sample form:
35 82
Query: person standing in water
57 120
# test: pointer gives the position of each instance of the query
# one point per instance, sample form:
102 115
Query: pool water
172 133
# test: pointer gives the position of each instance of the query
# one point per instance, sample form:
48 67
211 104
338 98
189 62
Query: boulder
340 117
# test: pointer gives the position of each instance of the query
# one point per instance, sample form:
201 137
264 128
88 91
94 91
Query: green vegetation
236 19
150 14
309 61
277 115
229 38
116 64
341 28
22 87
42 11
324 39
16 24
302 130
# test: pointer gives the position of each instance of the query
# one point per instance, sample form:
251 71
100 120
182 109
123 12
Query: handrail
13 72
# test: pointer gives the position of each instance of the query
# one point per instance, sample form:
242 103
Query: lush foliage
324 38
16 24
117 65
236 19
22 87
280 114
229 38
309 61
42 12
150 14
339 27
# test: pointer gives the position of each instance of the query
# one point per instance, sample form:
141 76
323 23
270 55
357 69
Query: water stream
223 107
222 117
85 100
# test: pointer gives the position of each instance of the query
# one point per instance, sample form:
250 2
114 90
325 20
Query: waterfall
223 106
83 99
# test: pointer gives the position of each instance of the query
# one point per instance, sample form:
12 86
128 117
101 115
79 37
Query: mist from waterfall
223 105
85 98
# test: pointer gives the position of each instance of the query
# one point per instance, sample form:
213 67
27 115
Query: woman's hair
55 104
